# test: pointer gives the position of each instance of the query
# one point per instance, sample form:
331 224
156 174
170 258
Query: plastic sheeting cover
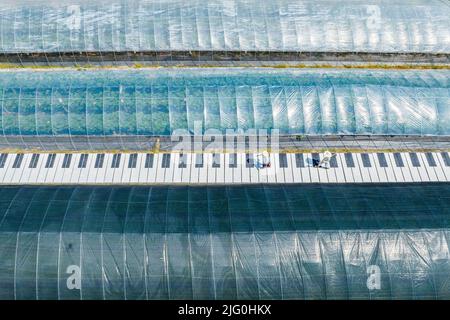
221 25
258 242
157 102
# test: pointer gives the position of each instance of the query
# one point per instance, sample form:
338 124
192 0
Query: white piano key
430 170
220 172
331 173
398 173
7 177
59 170
381 171
26 168
17 172
417 173
323 174
177 170
54 173
229 172
209 166
104 174
348 173
305 170
262 174
160 171
314 172
443 172
141 173
129 175
42 170
117 175
254 172
296 174
67 172
288 172
356 170
355 174
74 172
391 172
203 171
148 175
339 171
364 171
194 171
186 172
168 175
237 178
134 176
422 170
270 172
88 174
32 177
279 173
245 172
4 170
92 171
374 177
405 169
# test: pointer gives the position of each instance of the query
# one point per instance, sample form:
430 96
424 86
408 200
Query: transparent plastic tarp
149 102
233 242
224 25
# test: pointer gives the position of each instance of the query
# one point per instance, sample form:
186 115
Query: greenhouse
76 26
150 102
230 242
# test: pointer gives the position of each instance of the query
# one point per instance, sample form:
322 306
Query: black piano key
299 162
446 158
67 160
349 160
398 160
116 160
165 160
366 160
132 161
233 160
199 160
283 160
34 161
149 160
50 160
414 159
382 160
82 163
430 159
18 161
99 160
3 158
216 160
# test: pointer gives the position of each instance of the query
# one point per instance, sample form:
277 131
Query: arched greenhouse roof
238 25
228 242
156 102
